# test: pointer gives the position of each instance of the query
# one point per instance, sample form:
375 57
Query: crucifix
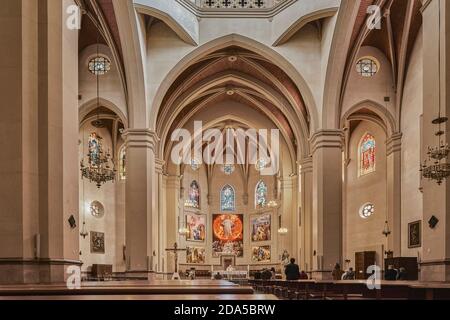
175 250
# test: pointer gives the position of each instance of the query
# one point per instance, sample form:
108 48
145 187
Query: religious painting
415 234
367 155
228 235
196 225
94 145
261 227
193 200
261 254
195 255
227 199
97 242
261 195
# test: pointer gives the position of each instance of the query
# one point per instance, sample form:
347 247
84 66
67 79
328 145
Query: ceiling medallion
232 58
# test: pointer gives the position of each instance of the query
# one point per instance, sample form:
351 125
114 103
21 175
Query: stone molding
327 139
141 138
394 144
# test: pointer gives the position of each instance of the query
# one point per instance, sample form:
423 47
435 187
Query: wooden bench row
351 290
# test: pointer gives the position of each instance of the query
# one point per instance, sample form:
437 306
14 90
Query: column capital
306 165
141 138
394 143
327 139
159 165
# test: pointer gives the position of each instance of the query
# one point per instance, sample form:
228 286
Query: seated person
266 274
258 275
402 274
292 271
349 275
274 273
218 276
390 274
304 276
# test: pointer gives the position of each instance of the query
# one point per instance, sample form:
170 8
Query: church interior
191 149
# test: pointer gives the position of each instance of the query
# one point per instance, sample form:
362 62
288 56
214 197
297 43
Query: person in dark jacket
292 271
390 274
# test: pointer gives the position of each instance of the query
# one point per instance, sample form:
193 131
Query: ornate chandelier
98 169
437 168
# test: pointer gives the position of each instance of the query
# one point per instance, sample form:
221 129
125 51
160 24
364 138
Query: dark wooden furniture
410 264
102 270
363 260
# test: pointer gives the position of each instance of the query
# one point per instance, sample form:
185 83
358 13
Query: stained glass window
95 146
195 164
261 164
227 199
367 155
367 210
99 65
194 196
122 162
228 169
261 194
367 67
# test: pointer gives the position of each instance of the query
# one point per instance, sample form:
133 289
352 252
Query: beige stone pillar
289 218
159 221
327 201
393 182
173 211
435 264
39 177
140 199
306 214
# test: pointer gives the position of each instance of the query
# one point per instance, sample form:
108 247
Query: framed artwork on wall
195 255
228 235
97 242
415 234
261 227
261 254
196 224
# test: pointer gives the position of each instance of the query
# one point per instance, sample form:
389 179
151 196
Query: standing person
292 271
274 273
337 272
349 275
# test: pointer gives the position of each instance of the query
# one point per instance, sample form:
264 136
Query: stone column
141 199
435 264
327 201
306 208
289 218
159 220
39 161
393 183
173 211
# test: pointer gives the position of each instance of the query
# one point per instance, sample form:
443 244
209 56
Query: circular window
367 67
97 209
228 169
99 65
367 210
261 164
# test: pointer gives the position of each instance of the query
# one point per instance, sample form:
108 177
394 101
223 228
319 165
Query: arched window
261 194
227 198
367 155
122 164
194 196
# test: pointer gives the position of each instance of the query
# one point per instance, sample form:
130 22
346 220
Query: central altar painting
228 235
